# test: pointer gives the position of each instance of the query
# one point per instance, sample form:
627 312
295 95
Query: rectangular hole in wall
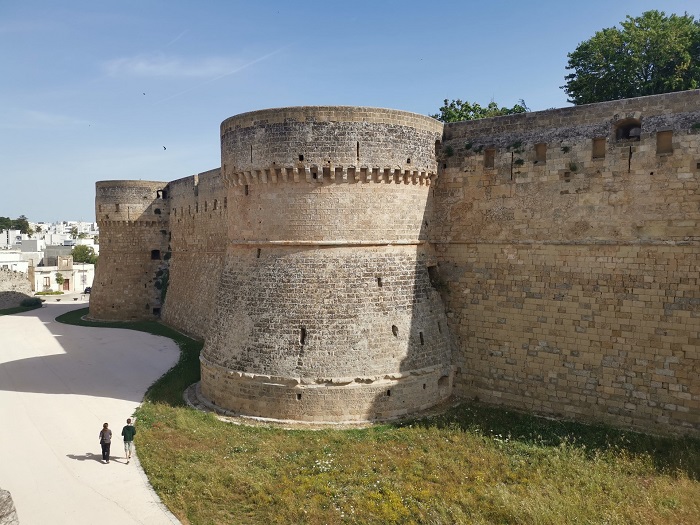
298 397
598 148
489 157
379 282
422 341
388 393
664 142
541 153
258 254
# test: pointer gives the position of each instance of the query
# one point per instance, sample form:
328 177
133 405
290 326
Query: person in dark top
105 441
128 432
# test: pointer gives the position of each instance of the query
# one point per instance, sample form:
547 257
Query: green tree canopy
5 223
74 232
84 254
21 223
458 110
647 55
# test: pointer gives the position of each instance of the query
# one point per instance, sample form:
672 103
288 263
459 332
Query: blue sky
95 90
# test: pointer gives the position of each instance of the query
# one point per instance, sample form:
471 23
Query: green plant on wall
565 149
516 146
518 162
449 151
573 167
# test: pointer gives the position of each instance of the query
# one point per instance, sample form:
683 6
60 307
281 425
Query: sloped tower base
325 309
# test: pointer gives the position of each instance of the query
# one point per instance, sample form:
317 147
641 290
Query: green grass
18 309
472 464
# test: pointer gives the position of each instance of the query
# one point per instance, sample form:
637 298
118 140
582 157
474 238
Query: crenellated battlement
315 174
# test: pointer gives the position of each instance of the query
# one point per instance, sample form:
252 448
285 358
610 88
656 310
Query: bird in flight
164 147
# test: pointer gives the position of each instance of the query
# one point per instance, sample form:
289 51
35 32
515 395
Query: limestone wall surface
570 243
325 310
133 221
197 243
14 287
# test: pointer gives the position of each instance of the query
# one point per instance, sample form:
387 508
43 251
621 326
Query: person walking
128 432
105 441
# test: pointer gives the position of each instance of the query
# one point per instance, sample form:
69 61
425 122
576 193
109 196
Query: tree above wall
458 110
647 55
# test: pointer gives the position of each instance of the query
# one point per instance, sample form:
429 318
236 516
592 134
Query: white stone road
58 384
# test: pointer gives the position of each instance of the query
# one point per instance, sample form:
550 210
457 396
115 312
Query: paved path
58 384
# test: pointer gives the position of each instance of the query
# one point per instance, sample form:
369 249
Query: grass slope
472 464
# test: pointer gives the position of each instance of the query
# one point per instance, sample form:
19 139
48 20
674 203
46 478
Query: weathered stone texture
574 280
133 221
565 244
14 287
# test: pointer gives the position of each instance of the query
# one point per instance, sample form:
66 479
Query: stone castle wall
199 215
573 268
133 221
14 288
564 244
325 310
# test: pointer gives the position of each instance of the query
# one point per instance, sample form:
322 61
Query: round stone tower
133 220
325 309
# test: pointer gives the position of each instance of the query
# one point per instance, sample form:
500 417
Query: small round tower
325 308
133 220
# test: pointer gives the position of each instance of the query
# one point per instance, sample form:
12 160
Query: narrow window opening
301 157
358 151
155 255
157 211
196 207
251 153
424 386
408 160
302 336
206 205
628 129
156 311
298 397
245 189
664 142
215 203
99 206
314 175
159 194
489 158
225 202
388 393
258 254
438 146
434 277
541 153
598 148
395 330
422 341
116 207
379 282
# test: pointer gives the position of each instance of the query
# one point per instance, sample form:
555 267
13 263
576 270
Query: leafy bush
31 302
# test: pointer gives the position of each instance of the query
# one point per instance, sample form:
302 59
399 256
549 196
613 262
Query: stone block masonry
353 264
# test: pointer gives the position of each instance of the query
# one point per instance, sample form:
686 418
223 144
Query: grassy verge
473 464
18 309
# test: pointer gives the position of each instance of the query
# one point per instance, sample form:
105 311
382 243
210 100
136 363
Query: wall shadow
43 356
